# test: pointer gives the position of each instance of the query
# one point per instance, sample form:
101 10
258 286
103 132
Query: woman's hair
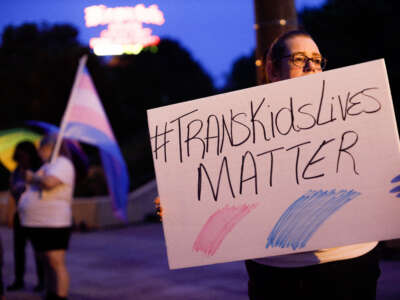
72 151
277 49
48 139
51 139
30 149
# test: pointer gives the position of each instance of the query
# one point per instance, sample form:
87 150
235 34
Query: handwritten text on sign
229 166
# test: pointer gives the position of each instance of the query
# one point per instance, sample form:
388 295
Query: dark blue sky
216 32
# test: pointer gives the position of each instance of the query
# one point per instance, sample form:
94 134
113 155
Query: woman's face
23 159
297 44
45 152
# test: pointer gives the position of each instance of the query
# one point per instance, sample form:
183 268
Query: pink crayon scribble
217 227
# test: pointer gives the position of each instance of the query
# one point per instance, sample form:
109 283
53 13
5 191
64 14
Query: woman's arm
45 182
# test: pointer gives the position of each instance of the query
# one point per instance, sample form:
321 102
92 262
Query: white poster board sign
293 166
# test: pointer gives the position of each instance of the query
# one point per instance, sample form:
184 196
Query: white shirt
317 257
49 208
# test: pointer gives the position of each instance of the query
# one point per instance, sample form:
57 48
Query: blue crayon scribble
397 188
301 219
396 179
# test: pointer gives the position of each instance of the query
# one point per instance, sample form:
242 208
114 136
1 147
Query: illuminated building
125 33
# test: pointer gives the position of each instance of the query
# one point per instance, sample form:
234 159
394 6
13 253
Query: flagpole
82 63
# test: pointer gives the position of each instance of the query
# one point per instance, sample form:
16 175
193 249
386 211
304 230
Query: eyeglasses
300 60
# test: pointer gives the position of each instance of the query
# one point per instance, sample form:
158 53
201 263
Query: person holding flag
45 210
51 188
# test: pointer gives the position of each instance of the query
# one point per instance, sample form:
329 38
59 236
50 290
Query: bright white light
125 32
101 15
108 50
132 49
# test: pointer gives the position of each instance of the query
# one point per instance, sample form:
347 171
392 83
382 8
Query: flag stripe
88 99
85 115
85 81
91 135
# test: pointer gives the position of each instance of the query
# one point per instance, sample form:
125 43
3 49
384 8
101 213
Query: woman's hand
159 208
43 181
29 176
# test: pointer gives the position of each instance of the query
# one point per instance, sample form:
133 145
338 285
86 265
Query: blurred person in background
348 272
27 158
46 214
2 297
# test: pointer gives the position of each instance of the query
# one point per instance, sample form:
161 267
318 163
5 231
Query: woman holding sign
349 272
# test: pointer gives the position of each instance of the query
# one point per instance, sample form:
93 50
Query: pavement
130 263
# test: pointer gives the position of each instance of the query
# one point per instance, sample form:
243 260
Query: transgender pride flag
85 120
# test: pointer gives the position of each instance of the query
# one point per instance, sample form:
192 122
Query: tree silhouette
150 80
243 74
38 66
351 32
